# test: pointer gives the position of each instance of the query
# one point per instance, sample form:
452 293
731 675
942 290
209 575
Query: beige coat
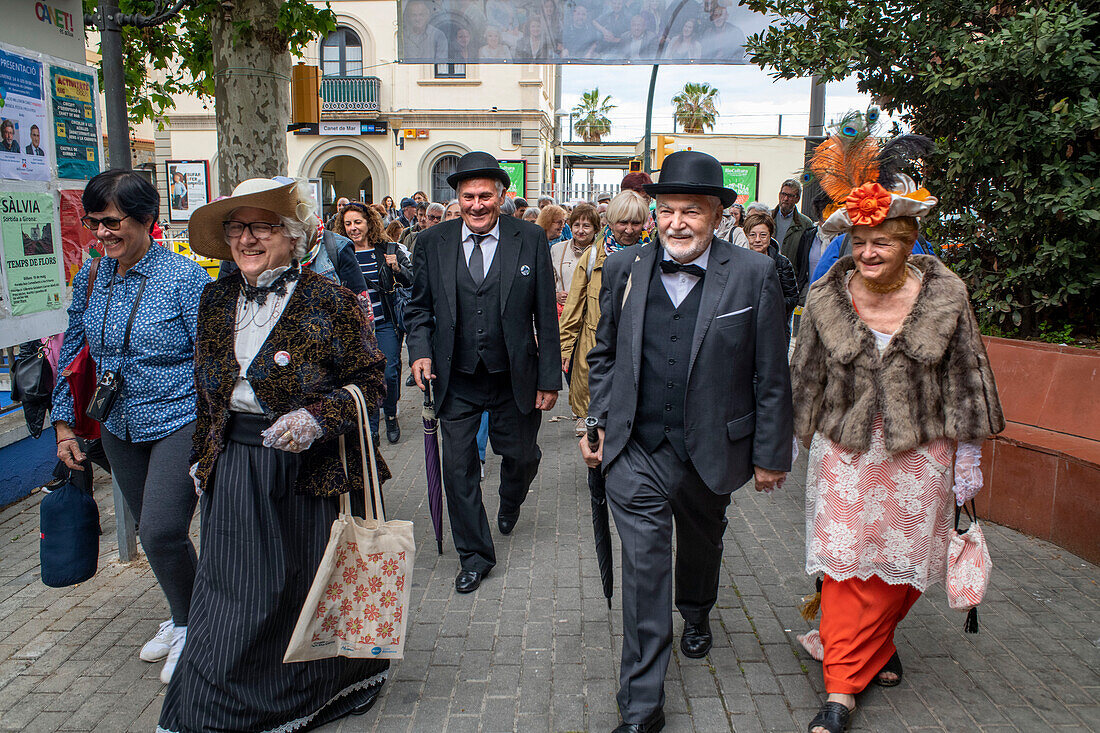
578 323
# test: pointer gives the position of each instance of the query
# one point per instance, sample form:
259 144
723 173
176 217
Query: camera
107 390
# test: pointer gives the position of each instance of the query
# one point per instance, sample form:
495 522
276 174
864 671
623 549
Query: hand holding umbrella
592 450
431 463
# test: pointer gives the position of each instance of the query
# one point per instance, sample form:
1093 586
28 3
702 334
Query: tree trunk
251 92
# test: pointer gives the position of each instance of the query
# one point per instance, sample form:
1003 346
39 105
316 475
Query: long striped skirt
260 547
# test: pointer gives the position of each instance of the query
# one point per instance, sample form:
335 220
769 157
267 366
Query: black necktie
672 266
477 263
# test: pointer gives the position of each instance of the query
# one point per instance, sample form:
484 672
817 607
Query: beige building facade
388 128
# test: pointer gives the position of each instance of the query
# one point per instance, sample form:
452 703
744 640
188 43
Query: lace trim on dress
875 513
298 723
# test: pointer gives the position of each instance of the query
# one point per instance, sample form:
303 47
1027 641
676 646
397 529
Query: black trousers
514 438
650 494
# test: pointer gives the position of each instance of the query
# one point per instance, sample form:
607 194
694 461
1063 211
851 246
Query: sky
749 100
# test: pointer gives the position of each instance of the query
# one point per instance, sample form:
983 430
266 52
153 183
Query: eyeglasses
112 223
434 217
258 229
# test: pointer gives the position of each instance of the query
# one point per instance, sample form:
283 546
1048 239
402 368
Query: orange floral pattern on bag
365 609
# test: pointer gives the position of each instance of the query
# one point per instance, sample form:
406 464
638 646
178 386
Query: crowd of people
233 399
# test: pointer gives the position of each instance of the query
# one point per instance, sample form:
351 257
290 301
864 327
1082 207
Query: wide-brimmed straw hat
206 236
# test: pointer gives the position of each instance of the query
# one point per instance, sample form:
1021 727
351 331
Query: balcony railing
350 93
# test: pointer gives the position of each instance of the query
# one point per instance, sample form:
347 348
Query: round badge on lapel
525 271
282 358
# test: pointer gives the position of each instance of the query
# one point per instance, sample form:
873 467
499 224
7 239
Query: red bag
82 377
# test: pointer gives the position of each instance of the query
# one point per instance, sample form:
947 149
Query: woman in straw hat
892 385
276 344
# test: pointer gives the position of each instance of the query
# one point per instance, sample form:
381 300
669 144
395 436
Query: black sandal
894 665
833 717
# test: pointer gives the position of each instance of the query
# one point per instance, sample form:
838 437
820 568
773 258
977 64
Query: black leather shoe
410 382
393 430
697 639
468 581
507 523
652 724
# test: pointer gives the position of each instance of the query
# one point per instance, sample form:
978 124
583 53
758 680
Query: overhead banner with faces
575 31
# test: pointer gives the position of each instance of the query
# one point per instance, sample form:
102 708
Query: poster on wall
188 187
76 141
742 178
30 257
517 171
23 150
77 243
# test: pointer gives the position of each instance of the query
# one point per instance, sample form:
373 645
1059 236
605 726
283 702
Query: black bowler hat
478 164
692 172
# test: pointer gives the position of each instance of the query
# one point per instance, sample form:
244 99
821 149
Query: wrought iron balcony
350 93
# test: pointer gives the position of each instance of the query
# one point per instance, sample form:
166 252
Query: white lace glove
294 432
968 472
198 484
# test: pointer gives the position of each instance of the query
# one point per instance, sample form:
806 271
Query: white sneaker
179 637
157 648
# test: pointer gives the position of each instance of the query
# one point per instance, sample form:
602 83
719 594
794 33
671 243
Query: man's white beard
685 253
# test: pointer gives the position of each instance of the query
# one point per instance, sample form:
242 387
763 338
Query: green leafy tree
236 53
1008 92
591 112
695 110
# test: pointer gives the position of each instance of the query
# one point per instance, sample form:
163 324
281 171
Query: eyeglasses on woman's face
258 229
112 223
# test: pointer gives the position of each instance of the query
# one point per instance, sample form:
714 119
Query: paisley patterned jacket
329 343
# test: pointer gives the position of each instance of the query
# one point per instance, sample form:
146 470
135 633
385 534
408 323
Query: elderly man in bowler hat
692 394
482 323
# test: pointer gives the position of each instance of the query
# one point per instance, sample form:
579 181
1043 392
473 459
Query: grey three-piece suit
691 398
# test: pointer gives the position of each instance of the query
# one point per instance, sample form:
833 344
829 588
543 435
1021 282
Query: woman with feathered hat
894 395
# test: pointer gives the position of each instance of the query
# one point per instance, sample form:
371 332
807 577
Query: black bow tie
671 266
277 287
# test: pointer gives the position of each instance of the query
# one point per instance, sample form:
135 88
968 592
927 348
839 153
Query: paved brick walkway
536 649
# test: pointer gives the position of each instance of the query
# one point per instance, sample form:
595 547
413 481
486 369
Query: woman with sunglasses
139 323
386 268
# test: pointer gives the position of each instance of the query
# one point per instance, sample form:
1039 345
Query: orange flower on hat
868 205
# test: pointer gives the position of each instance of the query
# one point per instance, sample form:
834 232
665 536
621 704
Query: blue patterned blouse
158 396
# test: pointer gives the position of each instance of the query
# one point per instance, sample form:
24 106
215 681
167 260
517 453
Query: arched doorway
347 177
443 167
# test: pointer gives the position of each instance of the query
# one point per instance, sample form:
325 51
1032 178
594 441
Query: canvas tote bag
358 604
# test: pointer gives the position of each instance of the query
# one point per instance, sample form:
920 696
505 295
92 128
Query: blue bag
69 543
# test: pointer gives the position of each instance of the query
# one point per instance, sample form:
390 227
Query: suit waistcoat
479 334
666 351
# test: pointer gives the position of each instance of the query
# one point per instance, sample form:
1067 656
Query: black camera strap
129 323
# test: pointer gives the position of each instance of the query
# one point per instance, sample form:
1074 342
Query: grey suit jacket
730 423
529 316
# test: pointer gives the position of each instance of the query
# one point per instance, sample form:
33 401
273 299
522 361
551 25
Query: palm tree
695 109
591 113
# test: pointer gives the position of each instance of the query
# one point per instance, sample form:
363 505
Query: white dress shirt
679 284
254 324
488 245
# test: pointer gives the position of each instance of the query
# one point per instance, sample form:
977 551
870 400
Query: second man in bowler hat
691 390
482 323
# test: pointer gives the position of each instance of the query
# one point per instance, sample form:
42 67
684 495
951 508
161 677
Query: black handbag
32 384
69 545
399 296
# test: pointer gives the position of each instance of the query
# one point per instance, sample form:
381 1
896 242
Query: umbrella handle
428 393
591 424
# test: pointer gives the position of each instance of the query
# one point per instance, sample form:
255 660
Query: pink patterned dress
876 513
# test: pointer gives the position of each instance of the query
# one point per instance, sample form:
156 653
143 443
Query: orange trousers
858 619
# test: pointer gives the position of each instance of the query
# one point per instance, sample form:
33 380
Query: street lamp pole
109 22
